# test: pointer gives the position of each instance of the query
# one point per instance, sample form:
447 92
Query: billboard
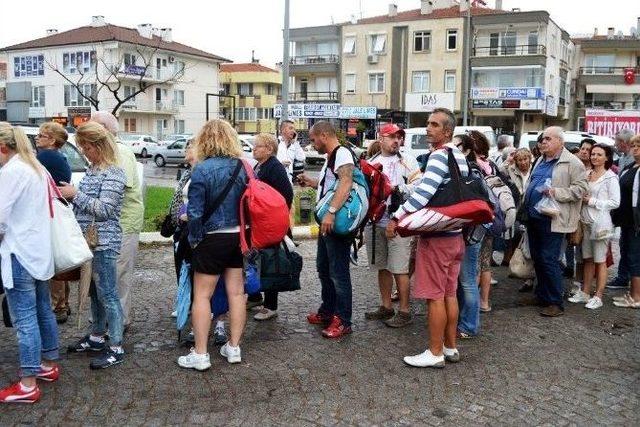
609 123
326 111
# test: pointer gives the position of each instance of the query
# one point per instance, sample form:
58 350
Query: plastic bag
599 229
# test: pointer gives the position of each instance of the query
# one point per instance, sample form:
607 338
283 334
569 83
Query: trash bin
305 208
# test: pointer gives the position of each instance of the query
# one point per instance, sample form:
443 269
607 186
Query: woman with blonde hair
97 203
27 263
217 183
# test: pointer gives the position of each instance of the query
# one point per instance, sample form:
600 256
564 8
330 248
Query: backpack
380 189
352 215
504 205
267 214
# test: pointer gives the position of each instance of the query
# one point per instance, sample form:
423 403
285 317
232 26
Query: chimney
595 31
464 5
498 4
145 30
98 21
353 20
393 9
426 7
254 60
157 32
610 32
166 35
52 31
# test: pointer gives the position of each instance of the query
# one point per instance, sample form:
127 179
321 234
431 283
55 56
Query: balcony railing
166 106
314 59
609 105
521 49
608 70
313 96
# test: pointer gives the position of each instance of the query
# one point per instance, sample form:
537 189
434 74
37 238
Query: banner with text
609 123
326 111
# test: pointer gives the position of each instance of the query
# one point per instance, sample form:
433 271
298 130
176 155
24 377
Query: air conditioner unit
372 59
172 59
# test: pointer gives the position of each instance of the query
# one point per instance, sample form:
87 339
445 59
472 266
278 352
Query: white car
416 144
313 157
572 139
142 145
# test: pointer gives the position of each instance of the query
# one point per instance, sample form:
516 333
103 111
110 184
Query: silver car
172 154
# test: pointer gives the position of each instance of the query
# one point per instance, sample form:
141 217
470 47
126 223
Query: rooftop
415 15
250 67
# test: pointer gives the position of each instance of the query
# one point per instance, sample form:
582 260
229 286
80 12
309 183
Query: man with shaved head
547 228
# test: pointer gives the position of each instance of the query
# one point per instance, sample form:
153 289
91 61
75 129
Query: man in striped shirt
438 256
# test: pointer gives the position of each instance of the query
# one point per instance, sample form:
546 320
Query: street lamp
233 103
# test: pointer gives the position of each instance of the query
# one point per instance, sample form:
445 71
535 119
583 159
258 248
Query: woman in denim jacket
98 201
215 239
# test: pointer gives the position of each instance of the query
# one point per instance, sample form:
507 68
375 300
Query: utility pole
467 68
285 64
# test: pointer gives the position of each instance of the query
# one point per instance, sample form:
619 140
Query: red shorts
438 261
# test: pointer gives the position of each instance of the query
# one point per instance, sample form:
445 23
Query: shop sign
326 111
425 102
609 123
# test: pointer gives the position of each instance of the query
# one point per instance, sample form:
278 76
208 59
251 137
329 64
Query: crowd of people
567 208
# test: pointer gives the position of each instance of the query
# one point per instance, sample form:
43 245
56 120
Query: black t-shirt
624 214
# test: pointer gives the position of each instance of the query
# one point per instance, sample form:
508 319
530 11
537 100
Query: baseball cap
391 129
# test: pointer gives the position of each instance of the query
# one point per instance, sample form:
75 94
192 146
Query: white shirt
25 219
292 153
401 172
328 178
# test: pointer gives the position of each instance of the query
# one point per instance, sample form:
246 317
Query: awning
621 88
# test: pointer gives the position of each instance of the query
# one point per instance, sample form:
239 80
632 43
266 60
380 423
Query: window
494 40
599 63
178 126
450 81
28 66
37 99
507 77
269 88
245 114
552 46
509 43
129 125
128 91
245 88
79 62
349 47
452 39
378 43
178 97
421 81
73 98
226 89
422 41
129 59
376 83
533 43
349 83
265 113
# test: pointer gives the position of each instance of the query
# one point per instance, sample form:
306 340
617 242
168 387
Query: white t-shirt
328 178
400 171
292 153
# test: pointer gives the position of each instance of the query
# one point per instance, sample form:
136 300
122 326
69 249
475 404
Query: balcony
509 56
305 97
609 105
314 63
598 70
147 107
517 50
137 72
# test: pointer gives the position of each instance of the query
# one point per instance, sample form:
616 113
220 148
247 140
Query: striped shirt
435 174
100 196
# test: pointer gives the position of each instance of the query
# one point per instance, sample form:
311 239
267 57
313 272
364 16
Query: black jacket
274 173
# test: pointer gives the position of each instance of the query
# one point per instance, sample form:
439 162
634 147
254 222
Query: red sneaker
336 329
318 319
15 394
49 376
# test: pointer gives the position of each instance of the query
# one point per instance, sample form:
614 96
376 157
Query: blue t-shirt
56 163
540 174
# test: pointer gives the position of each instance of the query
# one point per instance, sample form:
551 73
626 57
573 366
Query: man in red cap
390 255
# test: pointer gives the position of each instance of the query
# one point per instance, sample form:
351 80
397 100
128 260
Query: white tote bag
70 249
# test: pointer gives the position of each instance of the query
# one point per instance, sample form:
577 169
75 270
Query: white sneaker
174 313
265 314
232 354
595 302
426 359
193 360
451 354
579 297
493 281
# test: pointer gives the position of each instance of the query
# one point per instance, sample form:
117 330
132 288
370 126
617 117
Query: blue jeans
546 248
332 262
629 250
105 303
624 274
30 307
468 292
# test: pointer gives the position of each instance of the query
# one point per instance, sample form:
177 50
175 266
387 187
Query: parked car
170 139
172 154
416 144
572 139
142 145
313 157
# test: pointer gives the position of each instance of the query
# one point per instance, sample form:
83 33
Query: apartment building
520 71
607 81
47 78
255 89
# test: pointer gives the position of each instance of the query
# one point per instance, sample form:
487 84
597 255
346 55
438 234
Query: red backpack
379 189
267 214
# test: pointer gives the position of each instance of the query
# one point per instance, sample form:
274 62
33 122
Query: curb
299 232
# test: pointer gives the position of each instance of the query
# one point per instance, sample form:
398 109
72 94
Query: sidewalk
299 232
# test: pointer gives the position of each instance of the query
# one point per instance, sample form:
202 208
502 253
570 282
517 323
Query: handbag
69 246
280 269
456 204
168 227
519 265
575 238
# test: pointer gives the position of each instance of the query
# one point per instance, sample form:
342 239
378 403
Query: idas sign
426 102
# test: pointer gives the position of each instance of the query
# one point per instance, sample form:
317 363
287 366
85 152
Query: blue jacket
208 180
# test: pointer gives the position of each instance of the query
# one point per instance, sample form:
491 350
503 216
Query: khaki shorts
595 249
391 254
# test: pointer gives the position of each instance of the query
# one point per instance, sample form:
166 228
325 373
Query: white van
572 139
416 144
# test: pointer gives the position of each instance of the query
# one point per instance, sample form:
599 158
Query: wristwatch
332 210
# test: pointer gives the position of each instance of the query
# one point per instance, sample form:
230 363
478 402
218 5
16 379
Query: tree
110 76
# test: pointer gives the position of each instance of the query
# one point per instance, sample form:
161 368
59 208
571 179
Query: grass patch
156 206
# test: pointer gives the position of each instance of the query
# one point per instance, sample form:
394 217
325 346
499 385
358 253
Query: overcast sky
233 28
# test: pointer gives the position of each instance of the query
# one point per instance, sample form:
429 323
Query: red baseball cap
391 129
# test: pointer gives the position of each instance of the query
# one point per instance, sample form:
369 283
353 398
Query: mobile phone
295 135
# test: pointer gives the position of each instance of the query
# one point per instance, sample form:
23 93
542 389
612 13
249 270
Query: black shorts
216 253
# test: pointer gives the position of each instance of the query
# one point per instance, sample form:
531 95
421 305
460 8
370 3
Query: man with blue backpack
340 210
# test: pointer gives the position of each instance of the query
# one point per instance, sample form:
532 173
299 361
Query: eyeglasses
42 136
